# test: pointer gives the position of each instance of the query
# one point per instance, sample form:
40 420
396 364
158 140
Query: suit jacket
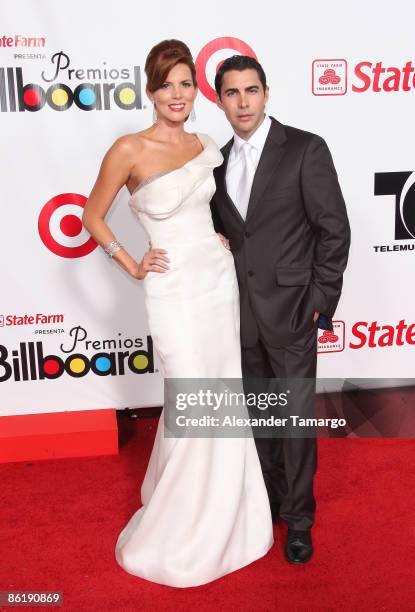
291 251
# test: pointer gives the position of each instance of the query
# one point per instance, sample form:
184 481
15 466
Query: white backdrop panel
48 153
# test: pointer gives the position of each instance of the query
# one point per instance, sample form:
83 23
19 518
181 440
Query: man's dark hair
239 62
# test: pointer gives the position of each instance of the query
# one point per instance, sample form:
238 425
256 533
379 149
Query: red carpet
61 519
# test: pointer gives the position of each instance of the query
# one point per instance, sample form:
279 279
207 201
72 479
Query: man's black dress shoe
298 548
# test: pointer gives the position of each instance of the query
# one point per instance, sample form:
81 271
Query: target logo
60 226
212 56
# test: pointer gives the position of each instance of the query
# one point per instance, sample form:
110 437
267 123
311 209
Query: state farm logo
375 335
18 40
39 318
60 226
401 185
212 56
329 77
331 341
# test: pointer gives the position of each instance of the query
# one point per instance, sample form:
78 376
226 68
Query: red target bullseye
70 226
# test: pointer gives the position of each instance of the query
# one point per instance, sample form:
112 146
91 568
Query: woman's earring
193 114
154 113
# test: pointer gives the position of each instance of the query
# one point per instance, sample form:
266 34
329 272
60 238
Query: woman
205 508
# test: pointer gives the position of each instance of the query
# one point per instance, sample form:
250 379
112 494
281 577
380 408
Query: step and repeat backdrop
73 329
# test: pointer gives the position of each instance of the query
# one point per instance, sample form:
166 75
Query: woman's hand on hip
155 260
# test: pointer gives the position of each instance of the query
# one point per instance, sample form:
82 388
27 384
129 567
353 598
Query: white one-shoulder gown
205 508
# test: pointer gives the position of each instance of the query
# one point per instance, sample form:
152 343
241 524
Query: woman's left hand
224 241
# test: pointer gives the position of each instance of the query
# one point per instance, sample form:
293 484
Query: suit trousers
288 464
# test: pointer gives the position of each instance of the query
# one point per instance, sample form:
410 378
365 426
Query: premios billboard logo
111 357
60 87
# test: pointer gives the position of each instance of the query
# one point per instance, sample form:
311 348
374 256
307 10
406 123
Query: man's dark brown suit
290 254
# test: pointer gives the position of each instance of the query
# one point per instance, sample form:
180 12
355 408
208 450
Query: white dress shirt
235 166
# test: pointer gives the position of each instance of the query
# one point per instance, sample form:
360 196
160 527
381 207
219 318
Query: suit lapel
270 158
221 176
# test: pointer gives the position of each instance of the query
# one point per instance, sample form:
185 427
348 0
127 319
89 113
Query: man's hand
224 241
316 316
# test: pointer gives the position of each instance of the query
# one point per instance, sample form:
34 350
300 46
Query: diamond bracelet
113 247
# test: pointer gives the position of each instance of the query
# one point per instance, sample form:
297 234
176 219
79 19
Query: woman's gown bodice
172 206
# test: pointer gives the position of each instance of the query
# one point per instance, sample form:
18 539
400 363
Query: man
279 203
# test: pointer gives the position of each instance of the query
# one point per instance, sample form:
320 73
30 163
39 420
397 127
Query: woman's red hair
162 58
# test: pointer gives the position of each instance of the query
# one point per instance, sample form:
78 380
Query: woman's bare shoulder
129 144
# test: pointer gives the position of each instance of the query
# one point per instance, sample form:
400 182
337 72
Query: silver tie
243 191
